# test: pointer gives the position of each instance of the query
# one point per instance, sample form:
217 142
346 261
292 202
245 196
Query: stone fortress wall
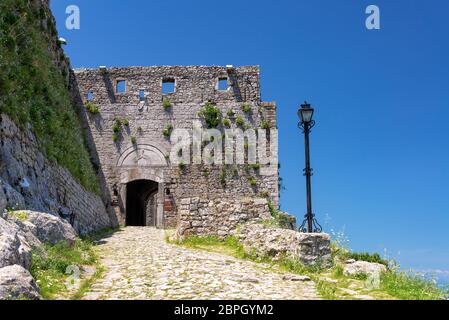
28 180
140 151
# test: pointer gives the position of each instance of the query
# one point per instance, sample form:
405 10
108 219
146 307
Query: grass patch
233 247
410 287
330 282
327 290
19 215
33 89
230 245
49 265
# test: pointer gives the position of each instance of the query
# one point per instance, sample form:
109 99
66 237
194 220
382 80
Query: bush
168 130
281 219
227 123
166 104
252 181
182 167
246 107
91 107
133 140
239 121
365 256
211 114
231 113
265 125
117 127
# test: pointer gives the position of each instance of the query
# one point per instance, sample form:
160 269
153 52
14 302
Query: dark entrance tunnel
141 203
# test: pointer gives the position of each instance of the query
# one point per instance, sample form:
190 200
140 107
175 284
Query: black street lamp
305 113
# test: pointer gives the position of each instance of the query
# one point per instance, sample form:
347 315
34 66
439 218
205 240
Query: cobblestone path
141 265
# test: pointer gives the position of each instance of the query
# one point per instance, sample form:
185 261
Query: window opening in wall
223 84
121 86
90 96
168 86
142 95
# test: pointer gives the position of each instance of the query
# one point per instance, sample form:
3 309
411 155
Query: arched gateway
141 172
131 133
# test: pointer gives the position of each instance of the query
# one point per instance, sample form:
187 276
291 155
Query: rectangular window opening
90 96
223 84
168 86
121 86
142 95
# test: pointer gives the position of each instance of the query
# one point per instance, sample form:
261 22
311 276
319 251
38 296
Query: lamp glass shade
306 114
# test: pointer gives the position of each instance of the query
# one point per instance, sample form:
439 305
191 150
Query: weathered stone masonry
141 151
30 181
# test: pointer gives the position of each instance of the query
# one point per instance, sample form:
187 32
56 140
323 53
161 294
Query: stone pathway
141 265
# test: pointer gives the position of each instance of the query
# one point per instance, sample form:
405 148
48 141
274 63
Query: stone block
17 283
309 249
353 268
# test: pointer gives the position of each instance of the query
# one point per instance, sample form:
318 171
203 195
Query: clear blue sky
380 148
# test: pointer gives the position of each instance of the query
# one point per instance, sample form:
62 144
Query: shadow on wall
109 87
78 105
235 85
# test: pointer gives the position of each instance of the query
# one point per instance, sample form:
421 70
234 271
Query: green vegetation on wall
33 90
211 114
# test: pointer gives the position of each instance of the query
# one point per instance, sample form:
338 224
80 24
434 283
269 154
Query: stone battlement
191 83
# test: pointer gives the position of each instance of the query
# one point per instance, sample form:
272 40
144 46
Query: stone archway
141 176
141 201
142 155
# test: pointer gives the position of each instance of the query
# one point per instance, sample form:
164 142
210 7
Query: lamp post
305 114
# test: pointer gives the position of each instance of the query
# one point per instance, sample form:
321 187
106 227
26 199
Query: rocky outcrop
30 181
20 232
14 249
48 228
307 248
353 268
17 283
13 199
3 201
